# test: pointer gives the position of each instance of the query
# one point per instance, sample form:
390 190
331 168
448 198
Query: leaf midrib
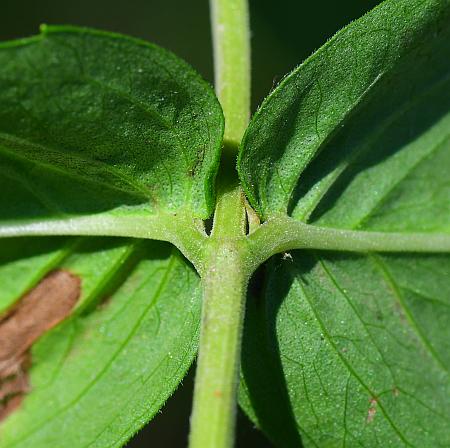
383 199
125 432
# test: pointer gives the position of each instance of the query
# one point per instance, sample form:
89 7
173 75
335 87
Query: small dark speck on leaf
46 305
104 303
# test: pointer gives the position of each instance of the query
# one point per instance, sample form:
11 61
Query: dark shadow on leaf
141 250
262 370
15 249
36 190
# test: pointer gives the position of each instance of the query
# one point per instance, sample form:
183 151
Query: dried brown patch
13 386
39 310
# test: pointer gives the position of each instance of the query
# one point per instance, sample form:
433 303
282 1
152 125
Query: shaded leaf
352 350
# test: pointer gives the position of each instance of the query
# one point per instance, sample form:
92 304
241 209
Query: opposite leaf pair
106 135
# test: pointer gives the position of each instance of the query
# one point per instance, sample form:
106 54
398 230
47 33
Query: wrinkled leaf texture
111 123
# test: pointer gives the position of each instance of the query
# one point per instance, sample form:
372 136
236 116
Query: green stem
224 274
230 28
224 287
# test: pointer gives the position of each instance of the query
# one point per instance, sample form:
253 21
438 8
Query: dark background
284 33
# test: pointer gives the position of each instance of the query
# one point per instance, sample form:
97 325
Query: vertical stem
224 274
224 288
231 41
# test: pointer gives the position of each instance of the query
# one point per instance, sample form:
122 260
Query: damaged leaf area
130 339
42 308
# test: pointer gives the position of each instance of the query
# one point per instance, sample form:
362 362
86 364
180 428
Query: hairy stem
225 275
230 29
224 287
224 280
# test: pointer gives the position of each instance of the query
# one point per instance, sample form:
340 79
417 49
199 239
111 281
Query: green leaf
353 349
104 372
374 99
24 261
350 350
102 134
93 123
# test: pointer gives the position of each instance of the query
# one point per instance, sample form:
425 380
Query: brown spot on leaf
395 392
13 386
218 393
46 305
372 410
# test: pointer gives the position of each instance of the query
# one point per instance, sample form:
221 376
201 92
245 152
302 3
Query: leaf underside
339 349
352 350
93 124
103 373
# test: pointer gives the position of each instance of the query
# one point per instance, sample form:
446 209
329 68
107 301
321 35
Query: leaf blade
363 361
90 114
92 367
288 132
354 143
